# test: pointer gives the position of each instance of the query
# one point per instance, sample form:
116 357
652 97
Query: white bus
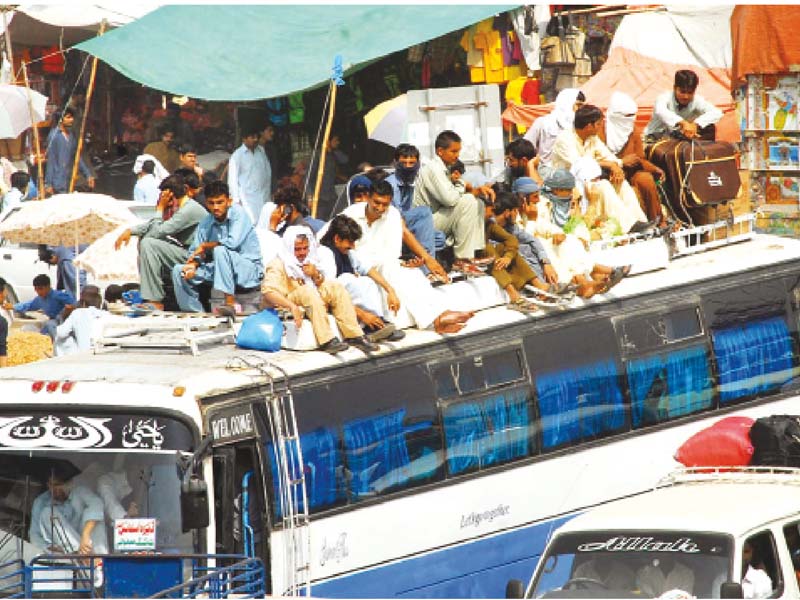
438 468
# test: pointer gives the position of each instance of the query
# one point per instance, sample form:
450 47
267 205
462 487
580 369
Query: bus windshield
634 564
70 481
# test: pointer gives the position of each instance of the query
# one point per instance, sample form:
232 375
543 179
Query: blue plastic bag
261 331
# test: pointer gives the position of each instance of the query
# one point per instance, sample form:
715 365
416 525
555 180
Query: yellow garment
514 94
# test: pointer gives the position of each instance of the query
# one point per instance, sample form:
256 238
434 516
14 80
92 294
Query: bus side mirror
515 589
194 503
729 589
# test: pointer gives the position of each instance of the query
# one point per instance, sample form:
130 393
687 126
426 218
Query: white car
729 533
19 264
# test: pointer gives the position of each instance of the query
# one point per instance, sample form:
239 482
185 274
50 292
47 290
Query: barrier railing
136 576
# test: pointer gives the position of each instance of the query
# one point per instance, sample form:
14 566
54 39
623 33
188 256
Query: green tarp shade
249 52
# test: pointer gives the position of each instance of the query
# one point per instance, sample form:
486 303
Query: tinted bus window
577 381
579 404
669 385
753 358
488 431
366 436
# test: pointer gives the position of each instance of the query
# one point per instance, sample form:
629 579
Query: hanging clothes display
493 55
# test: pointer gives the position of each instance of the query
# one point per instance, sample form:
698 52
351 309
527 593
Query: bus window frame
478 360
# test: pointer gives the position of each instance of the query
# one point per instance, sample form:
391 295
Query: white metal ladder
292 493
165 331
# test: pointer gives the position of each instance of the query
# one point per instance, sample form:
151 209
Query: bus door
239 485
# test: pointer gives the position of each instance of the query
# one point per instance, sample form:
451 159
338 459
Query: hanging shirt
61 149
667 114
146 190
249 179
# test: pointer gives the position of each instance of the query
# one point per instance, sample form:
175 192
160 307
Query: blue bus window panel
580 403
669 385
376 454
322 469
753 358
487 431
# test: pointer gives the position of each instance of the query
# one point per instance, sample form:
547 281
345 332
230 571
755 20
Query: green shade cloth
249 52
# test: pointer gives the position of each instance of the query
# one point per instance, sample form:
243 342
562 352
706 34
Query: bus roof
209 371
732 503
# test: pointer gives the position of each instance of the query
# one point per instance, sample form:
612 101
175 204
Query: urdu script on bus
640 544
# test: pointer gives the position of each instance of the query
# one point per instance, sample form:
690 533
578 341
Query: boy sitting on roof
225 253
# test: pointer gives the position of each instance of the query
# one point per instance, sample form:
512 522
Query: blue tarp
250 52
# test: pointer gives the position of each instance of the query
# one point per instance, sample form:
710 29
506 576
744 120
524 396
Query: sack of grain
27 346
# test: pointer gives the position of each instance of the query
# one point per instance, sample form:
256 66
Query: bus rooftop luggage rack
720 233
166 331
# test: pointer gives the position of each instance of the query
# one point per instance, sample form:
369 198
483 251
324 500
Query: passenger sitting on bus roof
569 254
418 219
546 129
164 240
194 185
296 278
289 209
68 517
363 282
383 234
624 139
663 574
510 270
617 197
56 304
225 253
84 324
683 111
456 213
521 161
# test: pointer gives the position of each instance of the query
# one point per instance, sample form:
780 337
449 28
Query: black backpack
776 441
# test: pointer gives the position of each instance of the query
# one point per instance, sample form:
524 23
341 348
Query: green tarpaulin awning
249 52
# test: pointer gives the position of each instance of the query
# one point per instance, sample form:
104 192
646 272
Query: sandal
435 280
523 306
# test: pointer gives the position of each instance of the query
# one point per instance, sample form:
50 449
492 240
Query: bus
438 467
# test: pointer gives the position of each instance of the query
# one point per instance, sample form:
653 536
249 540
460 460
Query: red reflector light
37 386
52 386
67 386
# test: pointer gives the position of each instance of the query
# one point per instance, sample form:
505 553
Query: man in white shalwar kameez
383 235
249 176
617 197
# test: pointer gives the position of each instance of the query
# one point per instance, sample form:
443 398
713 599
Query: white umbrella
108 265
15 114
66 220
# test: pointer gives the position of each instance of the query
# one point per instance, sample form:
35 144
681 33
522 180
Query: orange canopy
765 40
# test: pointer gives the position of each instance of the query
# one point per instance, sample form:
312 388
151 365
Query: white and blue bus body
440 468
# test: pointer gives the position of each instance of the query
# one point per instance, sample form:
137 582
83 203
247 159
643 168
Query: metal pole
88 102
36 143
324 150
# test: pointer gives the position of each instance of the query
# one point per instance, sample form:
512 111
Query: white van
685 539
